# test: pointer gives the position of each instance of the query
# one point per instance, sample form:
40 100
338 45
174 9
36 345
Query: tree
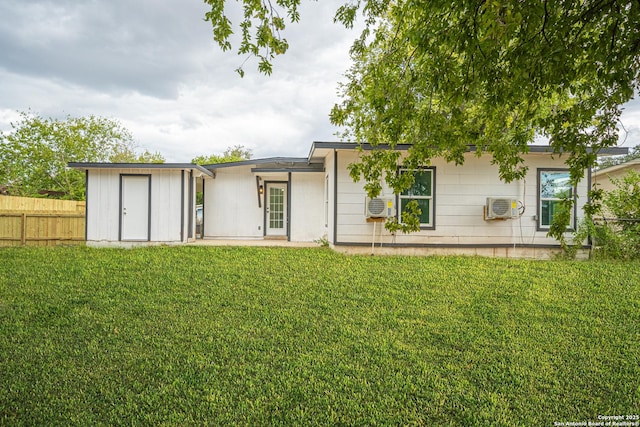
128 155
267 42
617 234
35 153
232 154
624 202
441 75
236 153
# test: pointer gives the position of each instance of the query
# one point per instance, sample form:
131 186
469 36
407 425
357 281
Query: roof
619 166
273 164
284 160
312 163
323 145
90 165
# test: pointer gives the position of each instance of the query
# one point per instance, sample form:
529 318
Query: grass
276 336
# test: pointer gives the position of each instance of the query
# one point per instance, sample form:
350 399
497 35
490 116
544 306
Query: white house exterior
467 209
276 198
602 177
140 204
457 221
319 200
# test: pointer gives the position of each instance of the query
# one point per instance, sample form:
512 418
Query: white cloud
152 65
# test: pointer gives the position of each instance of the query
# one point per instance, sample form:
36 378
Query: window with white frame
554 185
423 192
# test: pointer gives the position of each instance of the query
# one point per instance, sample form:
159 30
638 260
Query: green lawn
280 336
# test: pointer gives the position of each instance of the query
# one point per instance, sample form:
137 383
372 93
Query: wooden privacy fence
41 222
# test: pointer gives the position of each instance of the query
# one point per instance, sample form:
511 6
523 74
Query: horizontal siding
460 197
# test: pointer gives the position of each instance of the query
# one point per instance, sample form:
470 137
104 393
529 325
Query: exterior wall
232 211
103 205
166 206
231 205
307 206
331 178
168 221
460 196
602 179
501 252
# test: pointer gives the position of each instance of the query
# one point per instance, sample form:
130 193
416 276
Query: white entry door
276 212
134 224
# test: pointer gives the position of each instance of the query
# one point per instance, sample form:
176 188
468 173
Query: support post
23 235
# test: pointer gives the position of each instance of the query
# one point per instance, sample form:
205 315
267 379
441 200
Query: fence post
23 237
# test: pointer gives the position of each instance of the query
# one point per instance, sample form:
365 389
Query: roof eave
617 167
317 145
284 161
97 165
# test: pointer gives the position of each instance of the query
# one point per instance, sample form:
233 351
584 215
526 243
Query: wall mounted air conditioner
379 207
501 208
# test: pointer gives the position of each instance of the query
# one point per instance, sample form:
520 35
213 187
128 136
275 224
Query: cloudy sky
153 66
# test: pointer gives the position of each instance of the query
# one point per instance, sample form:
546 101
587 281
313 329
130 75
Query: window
553 187
423 192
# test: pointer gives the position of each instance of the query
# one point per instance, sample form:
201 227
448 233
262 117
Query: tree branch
544 23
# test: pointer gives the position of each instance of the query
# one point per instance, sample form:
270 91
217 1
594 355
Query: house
602 177
602 180
135 203
465 209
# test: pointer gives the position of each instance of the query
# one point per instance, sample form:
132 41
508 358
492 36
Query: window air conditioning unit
501 208
379 207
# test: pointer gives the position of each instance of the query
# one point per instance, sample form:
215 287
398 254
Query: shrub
617 236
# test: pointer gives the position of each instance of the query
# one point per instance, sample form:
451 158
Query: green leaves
260 28
346 14
617 235
441 76
35 153
231 154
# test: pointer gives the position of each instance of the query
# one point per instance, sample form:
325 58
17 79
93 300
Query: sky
153 66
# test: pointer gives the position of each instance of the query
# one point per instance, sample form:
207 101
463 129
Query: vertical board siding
103 219
166 205
103 216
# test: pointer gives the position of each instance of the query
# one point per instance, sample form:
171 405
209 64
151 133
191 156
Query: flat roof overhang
320 149
273 165
168 166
